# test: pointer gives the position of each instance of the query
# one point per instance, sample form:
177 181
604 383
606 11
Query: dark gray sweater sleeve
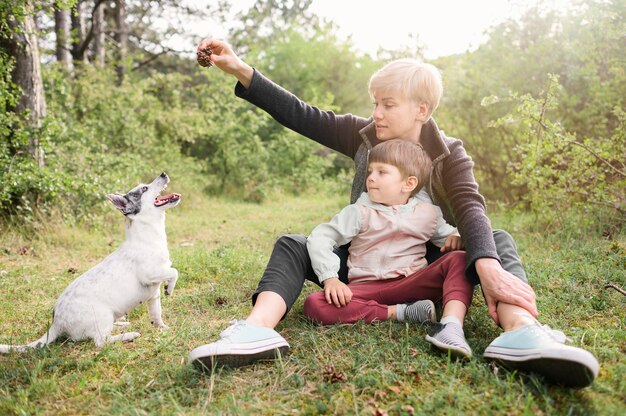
467 205
338 132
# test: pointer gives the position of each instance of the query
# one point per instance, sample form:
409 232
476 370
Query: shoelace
234 327
555 334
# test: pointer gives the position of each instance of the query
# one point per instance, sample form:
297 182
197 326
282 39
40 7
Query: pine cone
204 57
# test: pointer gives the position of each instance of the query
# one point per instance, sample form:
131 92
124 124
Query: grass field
220 248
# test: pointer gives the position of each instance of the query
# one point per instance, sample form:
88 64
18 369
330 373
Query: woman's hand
337 292
498 285
223 57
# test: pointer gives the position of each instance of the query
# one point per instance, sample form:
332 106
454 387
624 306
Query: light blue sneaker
240 344
539 349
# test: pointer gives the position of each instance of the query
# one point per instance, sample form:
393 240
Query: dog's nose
164 175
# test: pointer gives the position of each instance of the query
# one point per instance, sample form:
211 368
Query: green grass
220 248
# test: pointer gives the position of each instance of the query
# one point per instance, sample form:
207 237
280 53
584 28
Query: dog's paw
129 336
121 321
163 327
125 337
168 288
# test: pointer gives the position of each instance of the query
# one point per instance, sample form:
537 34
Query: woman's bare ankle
513 317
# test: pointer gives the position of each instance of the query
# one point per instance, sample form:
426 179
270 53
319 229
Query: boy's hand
453 242
337 292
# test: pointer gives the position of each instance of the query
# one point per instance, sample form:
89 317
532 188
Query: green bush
100 138
97 139
245 152
564 176
23 185
583 46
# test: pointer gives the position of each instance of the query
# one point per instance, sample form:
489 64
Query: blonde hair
412 79
410 158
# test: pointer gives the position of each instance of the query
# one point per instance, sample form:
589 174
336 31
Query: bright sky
444 27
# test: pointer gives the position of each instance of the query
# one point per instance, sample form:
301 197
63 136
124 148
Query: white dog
132 274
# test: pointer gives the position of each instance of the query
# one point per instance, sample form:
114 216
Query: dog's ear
119 201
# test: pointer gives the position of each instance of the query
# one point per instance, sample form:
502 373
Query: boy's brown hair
410 158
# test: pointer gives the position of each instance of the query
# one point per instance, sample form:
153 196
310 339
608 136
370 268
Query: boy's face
385 184
397 117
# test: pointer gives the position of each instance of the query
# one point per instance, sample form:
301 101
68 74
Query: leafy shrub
246 153
566 176
584 46
23 184
97 139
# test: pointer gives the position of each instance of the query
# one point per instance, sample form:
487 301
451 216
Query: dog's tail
47 338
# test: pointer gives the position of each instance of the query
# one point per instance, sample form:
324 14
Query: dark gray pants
289 265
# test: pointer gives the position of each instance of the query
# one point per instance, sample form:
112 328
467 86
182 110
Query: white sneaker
539 349
240 344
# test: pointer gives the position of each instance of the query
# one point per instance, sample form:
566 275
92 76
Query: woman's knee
291 242
504 239
290 254
509 257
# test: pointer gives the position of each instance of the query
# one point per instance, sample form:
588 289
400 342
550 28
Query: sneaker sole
236 357
456 352
568 367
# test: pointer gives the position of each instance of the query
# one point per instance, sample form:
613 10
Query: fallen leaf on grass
332 376
409 409
221 301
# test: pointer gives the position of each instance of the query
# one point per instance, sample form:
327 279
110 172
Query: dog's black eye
144 189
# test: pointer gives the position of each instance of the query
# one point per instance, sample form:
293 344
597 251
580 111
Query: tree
99 35
20 42
121 39
62 26
80 40
302 53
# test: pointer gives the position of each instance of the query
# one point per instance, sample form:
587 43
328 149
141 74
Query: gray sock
417 312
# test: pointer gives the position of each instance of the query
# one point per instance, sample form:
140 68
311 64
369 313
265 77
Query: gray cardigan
452 185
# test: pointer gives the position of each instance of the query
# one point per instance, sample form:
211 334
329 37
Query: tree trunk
79 32
98 30
121 37
62 27
22 46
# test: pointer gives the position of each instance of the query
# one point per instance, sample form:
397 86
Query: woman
492 258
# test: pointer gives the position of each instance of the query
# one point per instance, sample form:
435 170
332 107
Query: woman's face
396 117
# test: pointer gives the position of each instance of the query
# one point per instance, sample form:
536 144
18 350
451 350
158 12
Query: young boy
387 229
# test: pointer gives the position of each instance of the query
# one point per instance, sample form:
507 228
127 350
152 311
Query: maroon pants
444 280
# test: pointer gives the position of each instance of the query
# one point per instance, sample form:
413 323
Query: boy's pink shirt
391 243
386 242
